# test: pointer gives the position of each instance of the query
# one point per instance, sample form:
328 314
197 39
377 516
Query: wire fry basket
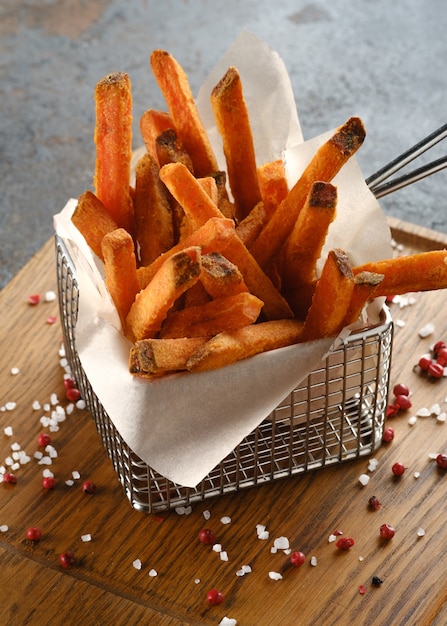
335 415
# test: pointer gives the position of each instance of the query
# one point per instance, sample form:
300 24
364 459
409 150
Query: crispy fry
153 216
213 236
233 124
208 185
331 298
169 150
113 138
93 221
325 164
250 227
175 87
150 357
120 270
213 317
272 185
220 277
189 193
175 276
424 271
365 287
305 243
229 347
152 124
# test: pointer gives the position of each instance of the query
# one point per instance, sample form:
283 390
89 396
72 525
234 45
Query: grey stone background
384 61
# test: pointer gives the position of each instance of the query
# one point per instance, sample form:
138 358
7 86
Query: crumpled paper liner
184 424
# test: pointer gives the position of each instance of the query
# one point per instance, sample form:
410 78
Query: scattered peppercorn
374 503
376 581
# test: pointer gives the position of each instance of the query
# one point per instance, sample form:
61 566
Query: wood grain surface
104 587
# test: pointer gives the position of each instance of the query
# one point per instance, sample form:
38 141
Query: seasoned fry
152 124
150 357
272 185
365 287
220 277
177 274
169 150
305 243
189 193
113 138
175 87
153 216
229 347
233 124
213 317
324 165
121 271
250 227
331 299
424 271
208 185
93 220
214 235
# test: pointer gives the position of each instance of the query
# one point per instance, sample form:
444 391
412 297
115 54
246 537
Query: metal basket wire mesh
335 415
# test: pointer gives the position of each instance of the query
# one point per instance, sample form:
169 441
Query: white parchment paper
183 425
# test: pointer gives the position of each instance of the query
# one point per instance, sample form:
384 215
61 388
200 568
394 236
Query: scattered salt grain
275 576
8 431
153 573
86 537
80 404
51 451
47 473
361 559
372 465
76 475
46 460
262 532
225 520
206 514
36 405
442 417
364 479
15 467
10 406
69 483
313 561
227 621
4 528
38 454
223 555
14 371
435 409
281 543
399 323
245 569
412 420
50 296
9 461
69 409
137 564
217 547
46 407
332 538
424 412
426 330
417 474
183 510
421 532
197 581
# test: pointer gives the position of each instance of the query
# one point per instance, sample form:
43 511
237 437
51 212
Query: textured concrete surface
382 60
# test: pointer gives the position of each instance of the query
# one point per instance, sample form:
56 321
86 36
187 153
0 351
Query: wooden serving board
105 587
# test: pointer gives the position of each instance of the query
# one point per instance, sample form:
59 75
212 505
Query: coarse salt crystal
262 532
364 479
76 475
137 564
245 569
435 409
46 407
4 528
46 460
421 532
153 573
426 330
86 537
228 621
10 406
412 420
8 431
38 454
424 412
15 466
313 561
361 559
51 450
15 446
217 547
197 581
50 296
36 405
14 371
225 520
441 417
275 576
9 461
332 538
206 514
417 474
281 543
69 483
372 465
47 473
400 323
223 555
80 404
433 455
183 510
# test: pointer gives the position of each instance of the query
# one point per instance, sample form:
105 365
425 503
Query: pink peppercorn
387 531
297 558
344 543
214 596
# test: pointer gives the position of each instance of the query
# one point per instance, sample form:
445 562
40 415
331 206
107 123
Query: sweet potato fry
272 185
324 165
305 243
176 90
229 347
93 220
212 317
365 287
113 138
175 276
120 270
250 227
213 236
208 184
151 357
424 271
169 150
233 124
152 124
331 298
154 226
189 193
220 277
